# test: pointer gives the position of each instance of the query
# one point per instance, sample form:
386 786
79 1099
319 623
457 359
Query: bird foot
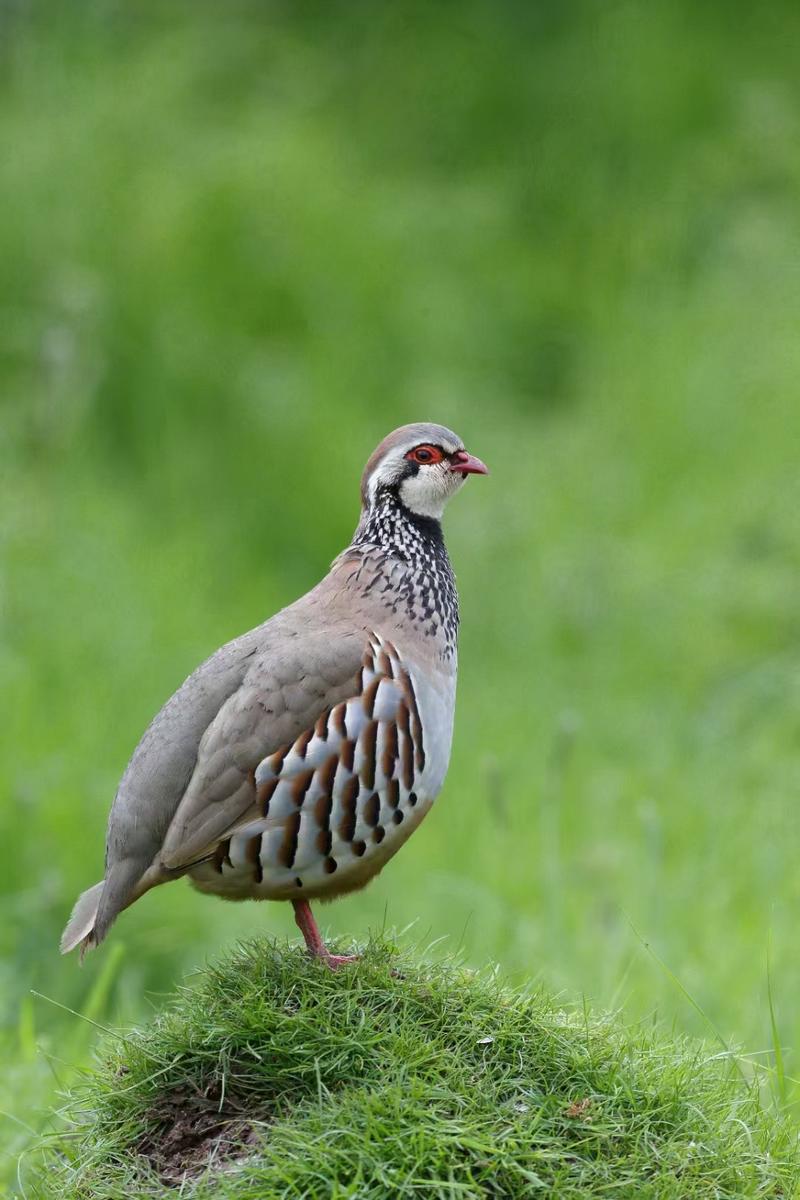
313 938
334 961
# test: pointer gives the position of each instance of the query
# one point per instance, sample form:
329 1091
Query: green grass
395 1079
238 245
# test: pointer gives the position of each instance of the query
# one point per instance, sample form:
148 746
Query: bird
296 760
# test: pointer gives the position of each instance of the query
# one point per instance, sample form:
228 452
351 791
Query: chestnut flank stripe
321 726
370 694
372 809
301 745
369 737
416 723
339 716
347 825
288 847
327 773
389 756
322 810
347 753
264 794
252 854
276 760
300 786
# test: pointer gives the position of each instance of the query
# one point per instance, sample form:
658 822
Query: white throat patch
428 492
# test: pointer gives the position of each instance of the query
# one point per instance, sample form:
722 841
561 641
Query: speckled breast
341 800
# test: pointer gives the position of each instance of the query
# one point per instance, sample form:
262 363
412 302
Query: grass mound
273 1077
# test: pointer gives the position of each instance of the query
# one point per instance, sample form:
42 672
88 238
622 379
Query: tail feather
80 927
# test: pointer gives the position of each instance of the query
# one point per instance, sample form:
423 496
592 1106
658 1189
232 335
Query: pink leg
313 938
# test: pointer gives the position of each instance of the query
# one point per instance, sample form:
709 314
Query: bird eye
425 455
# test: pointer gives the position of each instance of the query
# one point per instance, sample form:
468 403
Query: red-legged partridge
296 760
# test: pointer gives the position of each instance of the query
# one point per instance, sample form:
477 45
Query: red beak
467 464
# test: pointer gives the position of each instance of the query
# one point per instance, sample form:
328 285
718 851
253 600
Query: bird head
422 465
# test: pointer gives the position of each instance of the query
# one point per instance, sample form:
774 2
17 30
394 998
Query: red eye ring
425 455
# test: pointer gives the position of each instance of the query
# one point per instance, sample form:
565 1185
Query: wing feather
259 723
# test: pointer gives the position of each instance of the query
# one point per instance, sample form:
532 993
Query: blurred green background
240 243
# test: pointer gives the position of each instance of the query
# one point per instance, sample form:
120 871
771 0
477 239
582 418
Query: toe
334 961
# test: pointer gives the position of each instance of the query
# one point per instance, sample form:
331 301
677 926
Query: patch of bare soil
191 1130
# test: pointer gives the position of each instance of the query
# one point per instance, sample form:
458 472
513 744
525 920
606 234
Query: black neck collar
391 525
